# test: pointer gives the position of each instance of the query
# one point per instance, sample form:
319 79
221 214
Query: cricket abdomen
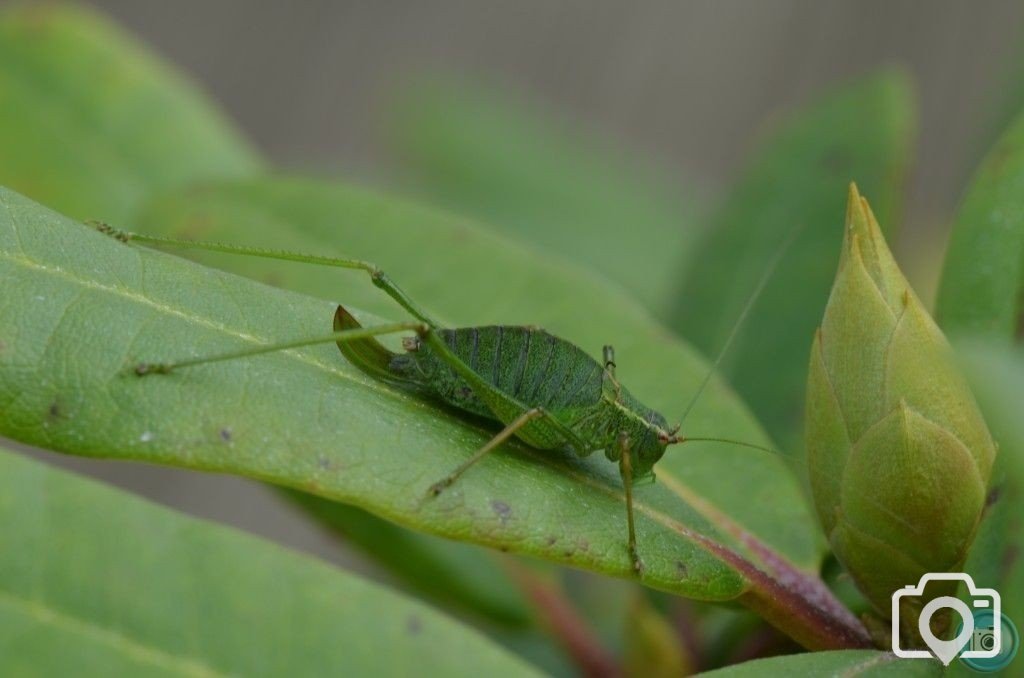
535 367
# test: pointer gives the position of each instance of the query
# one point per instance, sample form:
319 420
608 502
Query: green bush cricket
542 389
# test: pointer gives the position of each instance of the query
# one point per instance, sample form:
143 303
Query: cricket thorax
646 430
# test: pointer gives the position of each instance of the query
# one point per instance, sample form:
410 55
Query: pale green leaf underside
99 583
81 307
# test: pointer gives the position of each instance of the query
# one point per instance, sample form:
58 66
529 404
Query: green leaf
91 123
860 663
540 179
996 373
997 376
82 307
983 276
97 582
796 181
463 576
654 646
1002 102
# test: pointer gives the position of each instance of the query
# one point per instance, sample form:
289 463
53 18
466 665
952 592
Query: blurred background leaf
539 178
653 647
91 123
866 663
795 182
983 278
979 305
996 372
98 583
456 575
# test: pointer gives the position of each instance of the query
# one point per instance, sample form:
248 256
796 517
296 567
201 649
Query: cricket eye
664 437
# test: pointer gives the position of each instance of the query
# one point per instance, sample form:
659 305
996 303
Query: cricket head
651 444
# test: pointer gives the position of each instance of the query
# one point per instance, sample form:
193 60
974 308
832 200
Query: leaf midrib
655 515
867 664
48 614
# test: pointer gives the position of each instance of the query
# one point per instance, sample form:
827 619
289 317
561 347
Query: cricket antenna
678 440
765 277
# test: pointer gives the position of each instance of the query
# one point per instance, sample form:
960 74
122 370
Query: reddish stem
566 624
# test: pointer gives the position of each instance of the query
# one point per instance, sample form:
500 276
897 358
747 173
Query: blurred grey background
687 83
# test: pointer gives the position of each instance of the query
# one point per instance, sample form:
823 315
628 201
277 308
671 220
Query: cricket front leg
146 368
626 471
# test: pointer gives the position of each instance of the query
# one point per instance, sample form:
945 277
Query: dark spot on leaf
993 496
323 462
465 392
413 625
682 570
55 411
225 435
551 541
503 548
583 545
502 510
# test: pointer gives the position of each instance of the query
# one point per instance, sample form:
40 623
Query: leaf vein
47 614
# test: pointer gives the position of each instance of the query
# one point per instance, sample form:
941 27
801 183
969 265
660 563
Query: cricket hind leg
609 359
506 433
377 276
515 426
143 369
609 370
